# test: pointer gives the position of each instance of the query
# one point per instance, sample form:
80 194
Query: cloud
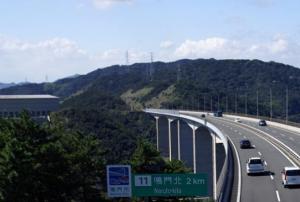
103 4
58 47
118 56
277 49
217 46
278 46
166 44
56 58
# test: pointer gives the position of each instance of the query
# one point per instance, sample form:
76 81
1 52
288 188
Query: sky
51 39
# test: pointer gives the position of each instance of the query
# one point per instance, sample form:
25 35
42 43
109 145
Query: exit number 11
142 180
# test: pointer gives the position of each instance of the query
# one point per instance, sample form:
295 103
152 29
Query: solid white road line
277 194
259 153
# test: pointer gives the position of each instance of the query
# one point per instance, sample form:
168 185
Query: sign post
166 185
118 180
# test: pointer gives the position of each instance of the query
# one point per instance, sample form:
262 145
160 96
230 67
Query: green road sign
169 185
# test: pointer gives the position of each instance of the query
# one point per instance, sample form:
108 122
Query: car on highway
245 144
290 176
255 165
262 123
237 120
202 115
218 113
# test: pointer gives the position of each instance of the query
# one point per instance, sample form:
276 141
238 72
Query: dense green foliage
43 163
146 159
119 133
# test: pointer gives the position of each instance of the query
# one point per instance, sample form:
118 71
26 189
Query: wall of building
36 107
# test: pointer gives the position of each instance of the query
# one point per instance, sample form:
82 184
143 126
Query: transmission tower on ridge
150 71
178 72
127 57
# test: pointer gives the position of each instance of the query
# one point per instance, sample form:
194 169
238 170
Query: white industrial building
38 106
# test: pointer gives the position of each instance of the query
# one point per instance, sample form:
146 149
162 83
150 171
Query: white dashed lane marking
277 194
291 138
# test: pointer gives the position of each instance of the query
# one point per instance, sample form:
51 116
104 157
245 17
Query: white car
255 165
290 176
237 120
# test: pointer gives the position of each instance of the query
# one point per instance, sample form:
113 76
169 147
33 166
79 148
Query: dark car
244 144
202 115
262 123
218 114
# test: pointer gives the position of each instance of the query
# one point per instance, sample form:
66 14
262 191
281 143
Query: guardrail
227 186
226 176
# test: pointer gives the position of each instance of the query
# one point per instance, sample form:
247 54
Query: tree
146 159
176 166
41 163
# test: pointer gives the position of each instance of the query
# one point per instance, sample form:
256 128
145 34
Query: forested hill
181 84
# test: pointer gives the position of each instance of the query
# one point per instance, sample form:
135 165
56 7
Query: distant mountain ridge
6 85
181 84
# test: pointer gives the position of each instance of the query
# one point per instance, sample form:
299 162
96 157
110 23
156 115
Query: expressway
266 187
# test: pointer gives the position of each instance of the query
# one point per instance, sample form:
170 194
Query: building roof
8 97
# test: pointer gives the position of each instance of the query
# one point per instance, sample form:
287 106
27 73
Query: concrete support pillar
174 139
167 137
220 157
157 133
185 144
170 138
163 136
194 128
205 156
178 140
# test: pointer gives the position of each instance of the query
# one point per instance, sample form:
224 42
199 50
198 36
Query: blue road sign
118 180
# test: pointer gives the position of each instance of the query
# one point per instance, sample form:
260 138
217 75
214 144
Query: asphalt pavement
268 186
